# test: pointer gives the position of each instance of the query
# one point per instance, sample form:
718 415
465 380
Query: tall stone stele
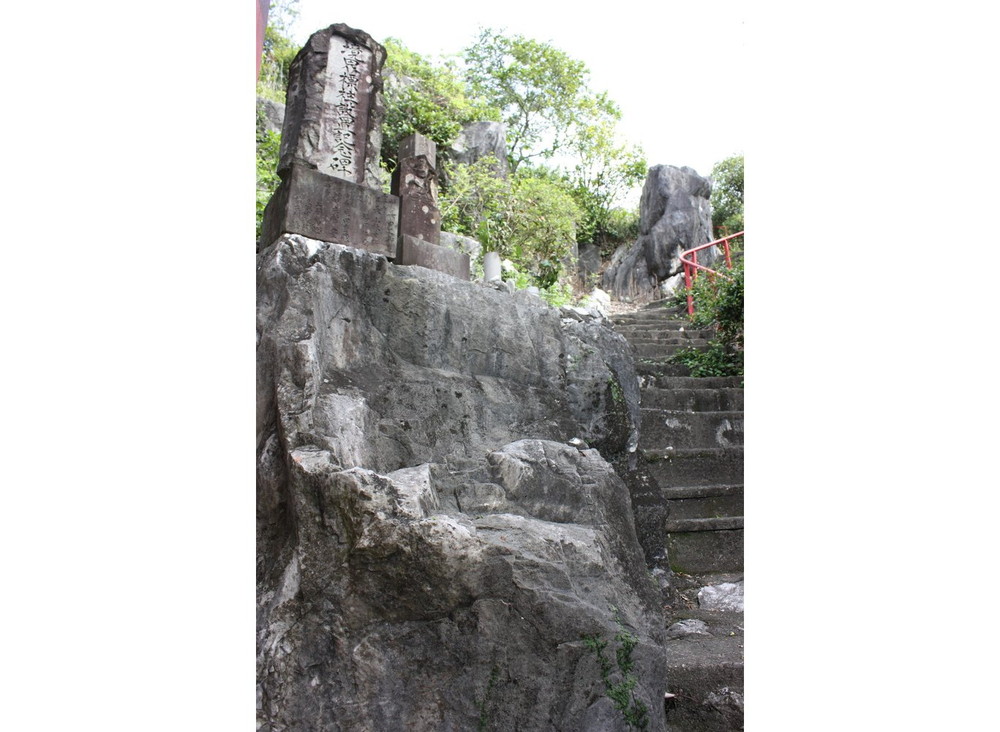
330 141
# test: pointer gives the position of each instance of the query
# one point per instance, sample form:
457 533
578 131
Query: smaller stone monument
415 183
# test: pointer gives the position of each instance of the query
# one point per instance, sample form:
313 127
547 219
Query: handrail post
688 284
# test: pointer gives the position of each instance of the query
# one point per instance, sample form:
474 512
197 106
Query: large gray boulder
432 550
479 139
270 114
674 215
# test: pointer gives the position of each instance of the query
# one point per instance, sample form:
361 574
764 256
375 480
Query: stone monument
415 182
330 140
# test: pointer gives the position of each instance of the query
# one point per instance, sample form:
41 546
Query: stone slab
698 552
432 256
331 209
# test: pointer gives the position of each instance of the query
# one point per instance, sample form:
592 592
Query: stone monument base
433 256
331 209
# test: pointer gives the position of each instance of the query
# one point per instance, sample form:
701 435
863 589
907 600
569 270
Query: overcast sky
674 68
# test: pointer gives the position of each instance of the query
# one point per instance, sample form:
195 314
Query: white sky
674 68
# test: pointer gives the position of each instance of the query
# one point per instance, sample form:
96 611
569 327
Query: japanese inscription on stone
334 110
346 100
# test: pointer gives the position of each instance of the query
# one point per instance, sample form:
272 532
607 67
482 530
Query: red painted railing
691 267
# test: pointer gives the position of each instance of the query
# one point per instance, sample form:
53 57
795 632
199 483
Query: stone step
662 428
702 502
655 335
659 368
706 678
693 467
706 549
649 316
694 400
663 351
697 382
682 492
670 328
711 523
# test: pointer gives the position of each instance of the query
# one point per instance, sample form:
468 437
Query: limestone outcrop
270 114
479 139
674 215
439 527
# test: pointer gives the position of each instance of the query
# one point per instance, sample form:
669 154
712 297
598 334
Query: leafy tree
541 92
429 98
605 170
550 111
727 195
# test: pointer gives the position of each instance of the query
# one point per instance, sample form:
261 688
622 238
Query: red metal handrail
691 265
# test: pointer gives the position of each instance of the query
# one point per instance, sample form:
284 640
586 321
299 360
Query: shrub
477 203
543 228
719 305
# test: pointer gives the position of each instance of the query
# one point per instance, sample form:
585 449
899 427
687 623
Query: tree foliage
279 50
425 97
530 218
543 228
605 170
727 195
478 203
541 92
551 113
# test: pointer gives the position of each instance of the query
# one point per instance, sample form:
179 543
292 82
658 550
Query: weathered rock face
675 215
271 114
431 551
479 139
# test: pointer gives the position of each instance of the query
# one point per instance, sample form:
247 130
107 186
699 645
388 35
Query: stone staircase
687 496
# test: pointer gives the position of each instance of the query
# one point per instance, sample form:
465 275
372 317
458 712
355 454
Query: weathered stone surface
331 209
674 215
479 139
333 119
464 244
588 263
431 551
691 626
432 256
415 182
271 113
726 596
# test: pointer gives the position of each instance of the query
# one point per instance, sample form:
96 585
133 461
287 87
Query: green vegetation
718 301
479 204
484 704
549 110
727 196
279 50
424 97
268 143
621 692
718 304
529 219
